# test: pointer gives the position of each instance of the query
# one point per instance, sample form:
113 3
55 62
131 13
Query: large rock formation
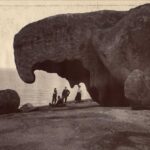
9 101
99 48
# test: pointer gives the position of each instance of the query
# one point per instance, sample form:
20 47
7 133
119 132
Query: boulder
137 89
9 101
98 48
28 107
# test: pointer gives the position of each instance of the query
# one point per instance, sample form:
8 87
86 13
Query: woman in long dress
78 95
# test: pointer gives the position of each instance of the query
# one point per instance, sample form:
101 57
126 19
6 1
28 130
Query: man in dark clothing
65 94
54 96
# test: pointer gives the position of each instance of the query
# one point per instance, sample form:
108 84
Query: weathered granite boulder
99 48
9 101
28 107
137 89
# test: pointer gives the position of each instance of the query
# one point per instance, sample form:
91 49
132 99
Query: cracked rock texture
99 48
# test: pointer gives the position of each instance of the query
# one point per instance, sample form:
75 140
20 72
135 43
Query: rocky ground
84 126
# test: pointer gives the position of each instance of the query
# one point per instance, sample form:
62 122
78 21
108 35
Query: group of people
63 98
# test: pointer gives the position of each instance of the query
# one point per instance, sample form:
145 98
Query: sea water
40 92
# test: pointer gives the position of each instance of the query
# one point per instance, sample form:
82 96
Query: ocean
40 92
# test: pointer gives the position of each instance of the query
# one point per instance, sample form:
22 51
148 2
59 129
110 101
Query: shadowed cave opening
72 70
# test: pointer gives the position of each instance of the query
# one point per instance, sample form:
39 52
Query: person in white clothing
79 94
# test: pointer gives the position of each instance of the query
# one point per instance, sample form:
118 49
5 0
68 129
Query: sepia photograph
74 74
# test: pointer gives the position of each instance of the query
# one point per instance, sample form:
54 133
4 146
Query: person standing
65 94
78 95
54 99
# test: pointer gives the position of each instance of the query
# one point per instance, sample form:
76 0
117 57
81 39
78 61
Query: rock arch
104 46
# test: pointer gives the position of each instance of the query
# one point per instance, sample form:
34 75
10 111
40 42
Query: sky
15 14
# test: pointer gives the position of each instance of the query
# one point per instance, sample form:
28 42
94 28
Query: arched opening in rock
75 73
40 92
72 70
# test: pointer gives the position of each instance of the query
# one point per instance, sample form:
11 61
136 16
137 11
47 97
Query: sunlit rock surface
82 126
